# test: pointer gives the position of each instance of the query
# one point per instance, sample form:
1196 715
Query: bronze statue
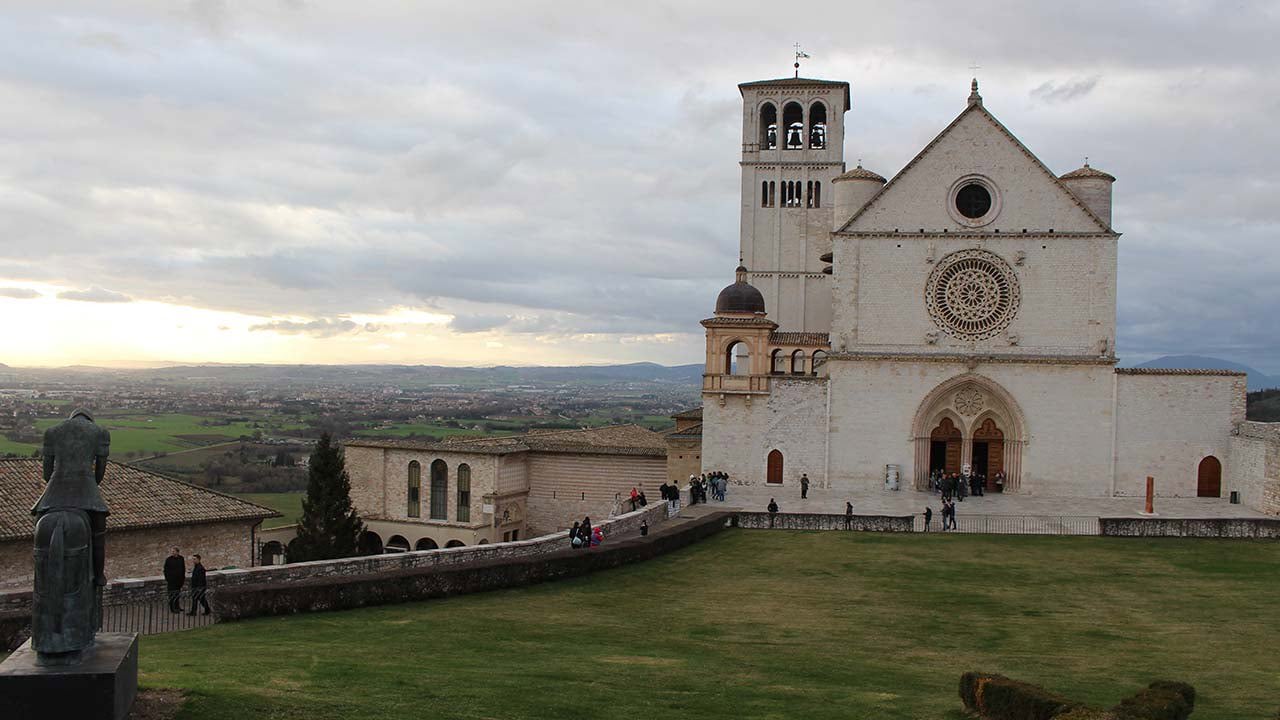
70 550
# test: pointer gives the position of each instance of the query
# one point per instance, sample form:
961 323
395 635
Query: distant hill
1256 381
394 375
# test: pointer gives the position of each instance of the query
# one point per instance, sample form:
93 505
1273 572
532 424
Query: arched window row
793 126
438 498
796 363
794 193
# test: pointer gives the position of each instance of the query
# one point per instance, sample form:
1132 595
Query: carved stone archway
978 406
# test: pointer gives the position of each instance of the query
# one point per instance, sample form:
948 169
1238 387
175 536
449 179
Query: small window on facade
817 126
415 489
815 197
793 121
808 194
777 362
464 493
773 193
797 362
764 194
768 127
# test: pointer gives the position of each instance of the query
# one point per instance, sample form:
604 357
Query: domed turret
1093 187
740 297
853 189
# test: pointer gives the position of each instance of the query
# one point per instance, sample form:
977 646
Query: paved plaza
906 501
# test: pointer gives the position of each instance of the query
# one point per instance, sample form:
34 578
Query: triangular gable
900 203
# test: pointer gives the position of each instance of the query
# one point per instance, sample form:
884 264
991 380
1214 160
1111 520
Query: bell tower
792 148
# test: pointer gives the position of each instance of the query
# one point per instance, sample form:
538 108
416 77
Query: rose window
972 295
969 402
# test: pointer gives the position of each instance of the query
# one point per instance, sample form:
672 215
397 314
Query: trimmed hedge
996 697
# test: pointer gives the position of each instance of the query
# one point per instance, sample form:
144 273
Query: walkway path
909 502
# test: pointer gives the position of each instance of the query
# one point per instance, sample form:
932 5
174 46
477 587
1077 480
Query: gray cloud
1051 92
18 293
542 170
94 294
321 328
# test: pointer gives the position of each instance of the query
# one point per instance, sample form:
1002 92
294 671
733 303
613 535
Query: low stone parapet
1265 528
130 590
819 521
412 584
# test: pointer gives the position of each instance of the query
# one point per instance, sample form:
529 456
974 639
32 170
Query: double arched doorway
969 421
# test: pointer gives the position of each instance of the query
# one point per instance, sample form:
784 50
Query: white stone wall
564 487
1067 288
1167 424
1067 411
737 437
1253 466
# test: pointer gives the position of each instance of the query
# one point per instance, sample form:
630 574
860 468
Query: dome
740 297
1088 172
859 173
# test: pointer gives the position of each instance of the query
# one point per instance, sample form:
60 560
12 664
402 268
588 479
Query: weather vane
800 54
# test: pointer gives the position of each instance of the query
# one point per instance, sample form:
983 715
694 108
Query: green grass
288 503
148 434
761 624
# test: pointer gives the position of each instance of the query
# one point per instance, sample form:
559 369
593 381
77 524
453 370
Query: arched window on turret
737 359
768 127
778 362
817 126
819 359
793 121
797 362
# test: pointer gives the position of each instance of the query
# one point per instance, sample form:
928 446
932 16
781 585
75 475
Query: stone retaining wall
1266 528
411 584
126 591
817 521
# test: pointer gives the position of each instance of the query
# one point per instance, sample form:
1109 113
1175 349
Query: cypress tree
329 527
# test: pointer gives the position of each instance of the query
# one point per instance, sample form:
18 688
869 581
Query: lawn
762 624
287 503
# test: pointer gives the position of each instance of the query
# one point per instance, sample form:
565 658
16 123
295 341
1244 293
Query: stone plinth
102 687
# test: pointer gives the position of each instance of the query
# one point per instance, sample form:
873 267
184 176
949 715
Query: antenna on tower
800 54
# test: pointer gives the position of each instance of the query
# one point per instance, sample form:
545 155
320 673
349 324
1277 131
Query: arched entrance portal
969 420
1209 478
988 452
774 468
944 447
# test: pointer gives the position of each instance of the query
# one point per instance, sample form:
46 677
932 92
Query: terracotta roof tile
1177 371
693 431
137 498
690 414
800 338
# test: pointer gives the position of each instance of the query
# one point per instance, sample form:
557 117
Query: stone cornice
933 235
974 359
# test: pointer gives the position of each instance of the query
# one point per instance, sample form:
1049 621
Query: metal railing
152 616
1016 524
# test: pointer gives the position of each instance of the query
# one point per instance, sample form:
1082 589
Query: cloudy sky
484 183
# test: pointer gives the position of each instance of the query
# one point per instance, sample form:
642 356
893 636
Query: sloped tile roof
1088 172
800 338
690 414
608 440
859 173
137 498
693 431
1177 371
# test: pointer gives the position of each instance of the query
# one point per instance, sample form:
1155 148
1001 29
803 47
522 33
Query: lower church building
961 316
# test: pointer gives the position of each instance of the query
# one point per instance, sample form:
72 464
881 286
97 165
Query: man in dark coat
928 518
804 486
773 510
175 573
199 586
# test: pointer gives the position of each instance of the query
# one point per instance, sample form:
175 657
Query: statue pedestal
101 687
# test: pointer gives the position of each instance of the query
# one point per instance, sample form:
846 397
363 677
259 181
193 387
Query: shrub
997 697
1162 700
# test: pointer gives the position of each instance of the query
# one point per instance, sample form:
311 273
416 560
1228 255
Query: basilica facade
959 316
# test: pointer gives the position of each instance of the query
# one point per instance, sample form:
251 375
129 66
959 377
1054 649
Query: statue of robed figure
70 551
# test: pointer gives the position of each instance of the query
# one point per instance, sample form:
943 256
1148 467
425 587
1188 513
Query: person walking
175 573
773 510
199 587
928 518
584 531
635 498
575 541
848 515
804 486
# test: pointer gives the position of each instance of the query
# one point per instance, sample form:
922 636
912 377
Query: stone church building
961 314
